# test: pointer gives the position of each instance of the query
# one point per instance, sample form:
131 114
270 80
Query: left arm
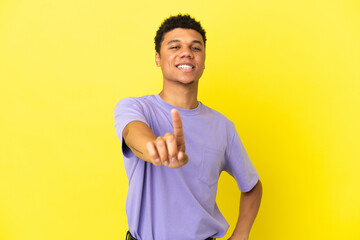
249 207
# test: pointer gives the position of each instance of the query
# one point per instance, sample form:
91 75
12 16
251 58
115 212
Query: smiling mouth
185 66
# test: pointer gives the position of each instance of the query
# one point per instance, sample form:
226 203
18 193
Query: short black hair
178 21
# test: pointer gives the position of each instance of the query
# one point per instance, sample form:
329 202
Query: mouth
185 67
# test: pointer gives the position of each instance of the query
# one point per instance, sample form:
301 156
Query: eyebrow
176 40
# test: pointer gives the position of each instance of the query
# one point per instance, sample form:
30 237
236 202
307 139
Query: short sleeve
127 110
238 164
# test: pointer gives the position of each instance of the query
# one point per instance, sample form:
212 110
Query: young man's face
182 56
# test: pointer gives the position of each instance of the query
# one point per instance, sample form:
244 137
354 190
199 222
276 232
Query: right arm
136 134
168 150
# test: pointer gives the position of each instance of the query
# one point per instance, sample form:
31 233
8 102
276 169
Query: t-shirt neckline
182 111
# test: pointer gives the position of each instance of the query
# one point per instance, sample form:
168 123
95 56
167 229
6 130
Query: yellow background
286 72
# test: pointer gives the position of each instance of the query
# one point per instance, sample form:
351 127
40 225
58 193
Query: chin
186 83
186 80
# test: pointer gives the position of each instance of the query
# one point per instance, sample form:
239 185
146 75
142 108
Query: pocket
211 165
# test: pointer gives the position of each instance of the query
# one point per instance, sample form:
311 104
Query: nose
186 52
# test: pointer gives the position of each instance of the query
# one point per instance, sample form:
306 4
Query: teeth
184 66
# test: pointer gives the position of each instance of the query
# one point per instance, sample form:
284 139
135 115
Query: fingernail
166 163
173 159
157 160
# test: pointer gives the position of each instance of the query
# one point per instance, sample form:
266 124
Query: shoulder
223 124
142 99
139 102
210 112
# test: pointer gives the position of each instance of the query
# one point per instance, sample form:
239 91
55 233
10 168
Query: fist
169 150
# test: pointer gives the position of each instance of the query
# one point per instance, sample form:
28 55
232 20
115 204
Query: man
175 148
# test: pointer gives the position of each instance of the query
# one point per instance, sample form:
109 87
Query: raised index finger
177 124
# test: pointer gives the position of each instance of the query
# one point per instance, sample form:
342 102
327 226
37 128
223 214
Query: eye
196 48
174 47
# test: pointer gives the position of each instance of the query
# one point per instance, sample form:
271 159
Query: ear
157 59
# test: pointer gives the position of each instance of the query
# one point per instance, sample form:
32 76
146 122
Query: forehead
183 35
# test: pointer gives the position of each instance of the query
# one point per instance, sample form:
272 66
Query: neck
180 95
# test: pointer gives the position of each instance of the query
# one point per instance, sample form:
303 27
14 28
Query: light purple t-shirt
179 203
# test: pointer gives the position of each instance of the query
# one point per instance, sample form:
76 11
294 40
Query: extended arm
136 134
168 150
249 207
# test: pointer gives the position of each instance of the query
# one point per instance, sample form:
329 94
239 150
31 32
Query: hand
169 150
